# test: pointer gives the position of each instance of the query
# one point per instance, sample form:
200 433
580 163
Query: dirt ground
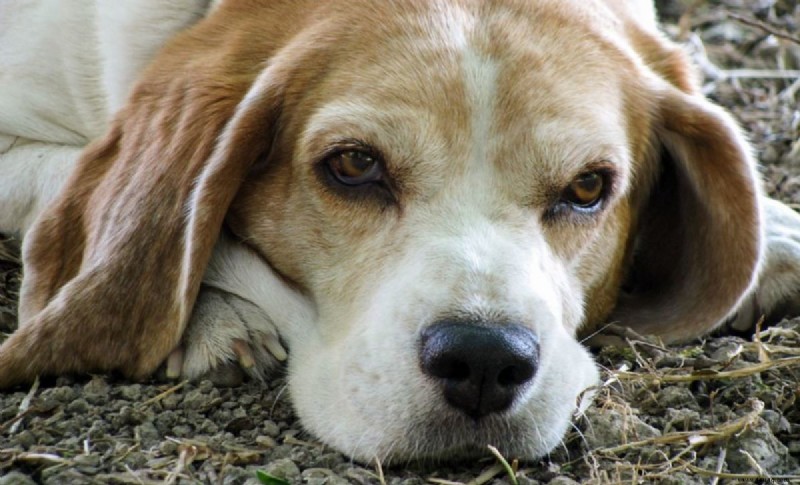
724 409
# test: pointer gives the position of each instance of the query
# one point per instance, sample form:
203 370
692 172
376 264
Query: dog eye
585 191
355 167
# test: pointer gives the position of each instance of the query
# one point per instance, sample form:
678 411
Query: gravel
724 408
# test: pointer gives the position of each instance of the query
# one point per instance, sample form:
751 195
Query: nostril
515 375
446 367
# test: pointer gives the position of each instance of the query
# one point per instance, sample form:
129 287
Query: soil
724 409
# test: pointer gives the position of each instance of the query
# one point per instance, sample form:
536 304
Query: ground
721 409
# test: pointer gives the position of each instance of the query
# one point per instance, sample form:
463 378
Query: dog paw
777 293
227 338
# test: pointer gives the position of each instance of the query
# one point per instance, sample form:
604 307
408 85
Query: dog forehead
490 84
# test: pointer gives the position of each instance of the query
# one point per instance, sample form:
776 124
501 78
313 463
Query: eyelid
606 169
561 210
383 190
349 144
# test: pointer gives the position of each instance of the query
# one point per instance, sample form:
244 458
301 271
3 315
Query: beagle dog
429 202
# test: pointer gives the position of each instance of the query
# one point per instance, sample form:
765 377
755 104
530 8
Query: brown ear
113 267
700 235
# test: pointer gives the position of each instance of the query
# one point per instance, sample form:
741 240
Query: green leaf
268 479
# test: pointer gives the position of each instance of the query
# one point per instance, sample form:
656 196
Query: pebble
609 427
283 468
562 481
147 434
759 442
97 391
271 429
78 406
131 392
322 476
63 394
266 441
677 397
16 478
26 439
195 399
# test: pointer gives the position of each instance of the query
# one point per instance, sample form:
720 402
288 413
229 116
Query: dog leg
242 309
227 337
31 174
778 291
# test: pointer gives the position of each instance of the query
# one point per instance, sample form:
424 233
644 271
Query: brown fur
114 266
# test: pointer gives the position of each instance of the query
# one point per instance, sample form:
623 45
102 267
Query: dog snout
482 368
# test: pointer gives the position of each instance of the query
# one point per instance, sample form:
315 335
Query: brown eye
355 167
585 191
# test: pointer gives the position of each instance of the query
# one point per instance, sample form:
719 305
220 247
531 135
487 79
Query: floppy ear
700 236
113 267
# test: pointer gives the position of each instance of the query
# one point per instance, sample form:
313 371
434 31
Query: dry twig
708 374
770 29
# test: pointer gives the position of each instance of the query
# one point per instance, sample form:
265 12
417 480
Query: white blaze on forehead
480 86
462 32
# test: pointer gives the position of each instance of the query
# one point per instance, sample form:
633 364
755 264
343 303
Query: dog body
428 201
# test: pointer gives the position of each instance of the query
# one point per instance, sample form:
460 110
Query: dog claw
244 354
272 343
226 340
175 363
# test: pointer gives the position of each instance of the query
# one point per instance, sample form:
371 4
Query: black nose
482 368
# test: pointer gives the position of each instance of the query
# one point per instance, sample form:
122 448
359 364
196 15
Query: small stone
132 392
678 479
777 423
208 427
147 434
62 394
26 439
562 481
97 391
164 421
322 476
608 427
327 460
128 416
98 430
182 431
16 478
762 446
135 460
271 429
171 402
283 468
87 460
78 406
677 397
266 441
195 399
168 447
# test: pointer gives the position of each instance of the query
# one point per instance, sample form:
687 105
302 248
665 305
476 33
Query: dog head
456 188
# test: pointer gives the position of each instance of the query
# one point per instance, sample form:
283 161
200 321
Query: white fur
31 173
65 68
